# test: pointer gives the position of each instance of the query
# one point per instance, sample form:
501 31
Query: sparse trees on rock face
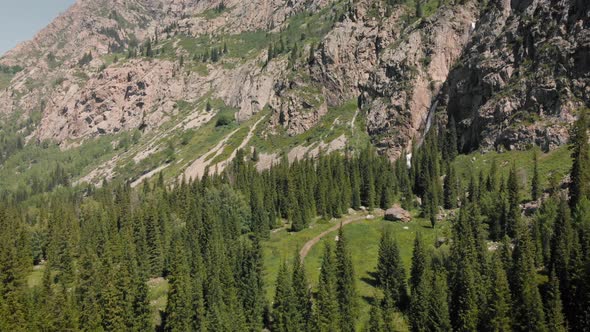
580 173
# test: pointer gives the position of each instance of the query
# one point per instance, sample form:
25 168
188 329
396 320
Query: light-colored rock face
85 101
489 68
404 86
396 213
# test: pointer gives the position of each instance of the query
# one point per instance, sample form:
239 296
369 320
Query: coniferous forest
501 270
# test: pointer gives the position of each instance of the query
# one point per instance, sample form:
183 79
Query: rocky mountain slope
307 72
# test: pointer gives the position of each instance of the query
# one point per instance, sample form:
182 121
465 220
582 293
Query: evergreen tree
88 291
284 307
326 315
346 289
391 274
251 286
438 303
492 180
450 141
302 296
419 285
580 173
154 244
553 306
513 217
375 319
178 307
419 305
528 312
419 12
450 188
498 316
464 308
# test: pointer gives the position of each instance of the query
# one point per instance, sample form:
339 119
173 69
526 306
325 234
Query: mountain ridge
149 65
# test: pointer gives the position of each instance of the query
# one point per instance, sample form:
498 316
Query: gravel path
354 218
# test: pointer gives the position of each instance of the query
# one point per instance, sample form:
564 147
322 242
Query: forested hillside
298 165
100 248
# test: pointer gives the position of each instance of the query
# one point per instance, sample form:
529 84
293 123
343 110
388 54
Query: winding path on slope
349 220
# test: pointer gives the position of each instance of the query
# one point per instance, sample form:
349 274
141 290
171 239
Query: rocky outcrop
395 72
396 213
403 88
511 74
523 75
98 98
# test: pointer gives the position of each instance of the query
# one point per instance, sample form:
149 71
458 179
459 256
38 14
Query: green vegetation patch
335 123
363 240
555 163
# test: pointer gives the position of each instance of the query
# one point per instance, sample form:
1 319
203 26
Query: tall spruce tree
528 314
179 305
391 273
498 312
450 141
513 216
553 305
302 296
450 188
375 323
284 306
326 315
345 285
580 173
464 306
438 318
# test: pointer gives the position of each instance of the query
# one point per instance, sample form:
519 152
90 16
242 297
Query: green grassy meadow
363 241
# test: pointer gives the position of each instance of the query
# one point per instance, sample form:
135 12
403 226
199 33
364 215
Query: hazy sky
20 20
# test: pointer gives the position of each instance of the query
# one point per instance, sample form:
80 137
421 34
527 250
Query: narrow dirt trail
349 220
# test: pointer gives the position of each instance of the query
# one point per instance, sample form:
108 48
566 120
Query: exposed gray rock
396 213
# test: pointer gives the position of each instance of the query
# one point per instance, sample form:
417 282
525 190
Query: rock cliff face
511 73
523 75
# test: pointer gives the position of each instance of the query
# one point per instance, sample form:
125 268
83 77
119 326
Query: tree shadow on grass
371 280
370 300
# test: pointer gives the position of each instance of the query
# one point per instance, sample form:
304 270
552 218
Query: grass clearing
363 239
157 296
557 162
35 278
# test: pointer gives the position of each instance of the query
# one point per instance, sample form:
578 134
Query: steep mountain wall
523 75
511 73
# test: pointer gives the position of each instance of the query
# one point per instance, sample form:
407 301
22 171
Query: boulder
396 213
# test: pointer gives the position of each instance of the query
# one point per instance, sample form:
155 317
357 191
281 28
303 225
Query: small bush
224 120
